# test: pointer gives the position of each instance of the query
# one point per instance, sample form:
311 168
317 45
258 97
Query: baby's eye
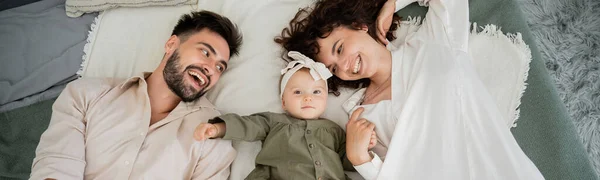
297 92
317 92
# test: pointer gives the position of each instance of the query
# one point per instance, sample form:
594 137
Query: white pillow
126 41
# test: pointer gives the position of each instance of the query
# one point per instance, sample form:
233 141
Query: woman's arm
449 19
446 20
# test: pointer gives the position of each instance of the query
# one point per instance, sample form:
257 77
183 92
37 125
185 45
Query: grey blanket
41 48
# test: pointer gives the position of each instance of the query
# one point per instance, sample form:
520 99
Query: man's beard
174 79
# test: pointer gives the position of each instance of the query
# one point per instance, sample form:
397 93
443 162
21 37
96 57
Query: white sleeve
446 21
369 170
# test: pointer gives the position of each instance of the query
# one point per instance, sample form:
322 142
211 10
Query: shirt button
311 145
308 131
126 162
320 178
318 163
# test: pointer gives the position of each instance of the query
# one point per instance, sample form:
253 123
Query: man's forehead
212 39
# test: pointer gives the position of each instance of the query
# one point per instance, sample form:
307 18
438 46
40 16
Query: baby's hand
205 131
373 140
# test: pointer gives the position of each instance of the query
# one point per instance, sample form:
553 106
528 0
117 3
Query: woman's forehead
334 35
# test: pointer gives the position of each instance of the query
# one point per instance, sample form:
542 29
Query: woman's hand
384 20
358 137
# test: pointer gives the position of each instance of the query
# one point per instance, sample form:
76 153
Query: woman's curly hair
319 20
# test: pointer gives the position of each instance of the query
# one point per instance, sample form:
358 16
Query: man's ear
171 45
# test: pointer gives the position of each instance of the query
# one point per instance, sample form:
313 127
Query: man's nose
207 70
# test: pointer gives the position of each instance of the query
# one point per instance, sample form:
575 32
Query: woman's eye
339 50
297 92
317 92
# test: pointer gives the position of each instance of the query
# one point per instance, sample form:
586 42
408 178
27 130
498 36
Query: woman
433 116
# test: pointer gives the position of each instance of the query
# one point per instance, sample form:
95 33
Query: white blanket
125 41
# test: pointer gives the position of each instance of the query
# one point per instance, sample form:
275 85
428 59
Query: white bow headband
317 70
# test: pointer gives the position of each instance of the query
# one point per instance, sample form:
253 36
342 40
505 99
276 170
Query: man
142 127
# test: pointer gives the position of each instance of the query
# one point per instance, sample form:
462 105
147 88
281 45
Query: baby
297 144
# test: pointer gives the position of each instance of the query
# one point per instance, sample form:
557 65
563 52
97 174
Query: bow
317 70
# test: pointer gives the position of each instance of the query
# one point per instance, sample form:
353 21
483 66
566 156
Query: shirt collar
201 102
135 79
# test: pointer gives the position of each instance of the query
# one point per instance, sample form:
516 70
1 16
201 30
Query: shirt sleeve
447 21
254 127
369 170
61 150
217 156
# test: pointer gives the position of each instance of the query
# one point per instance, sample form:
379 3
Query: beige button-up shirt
100 129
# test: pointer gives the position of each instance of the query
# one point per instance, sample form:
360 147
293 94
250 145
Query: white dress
441 122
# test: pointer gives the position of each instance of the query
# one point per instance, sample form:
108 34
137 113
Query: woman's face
351 54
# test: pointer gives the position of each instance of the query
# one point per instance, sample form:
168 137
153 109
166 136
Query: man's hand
205 131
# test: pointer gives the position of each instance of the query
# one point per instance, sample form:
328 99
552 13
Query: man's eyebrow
333 47
209 47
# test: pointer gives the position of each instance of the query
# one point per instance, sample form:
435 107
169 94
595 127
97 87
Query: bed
544 130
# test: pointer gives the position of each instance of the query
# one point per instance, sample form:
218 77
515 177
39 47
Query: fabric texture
42 49
50 93
568 35
8 4
127 41
76 8
100 129
544 131
446 123
292 148
19 136
501 62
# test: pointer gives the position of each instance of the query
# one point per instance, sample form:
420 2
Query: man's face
196 64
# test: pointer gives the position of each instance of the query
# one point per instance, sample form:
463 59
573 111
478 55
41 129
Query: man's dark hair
195 22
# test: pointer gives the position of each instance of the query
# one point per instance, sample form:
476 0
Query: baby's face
303 97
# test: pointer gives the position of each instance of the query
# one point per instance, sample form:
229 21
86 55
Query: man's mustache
202 70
